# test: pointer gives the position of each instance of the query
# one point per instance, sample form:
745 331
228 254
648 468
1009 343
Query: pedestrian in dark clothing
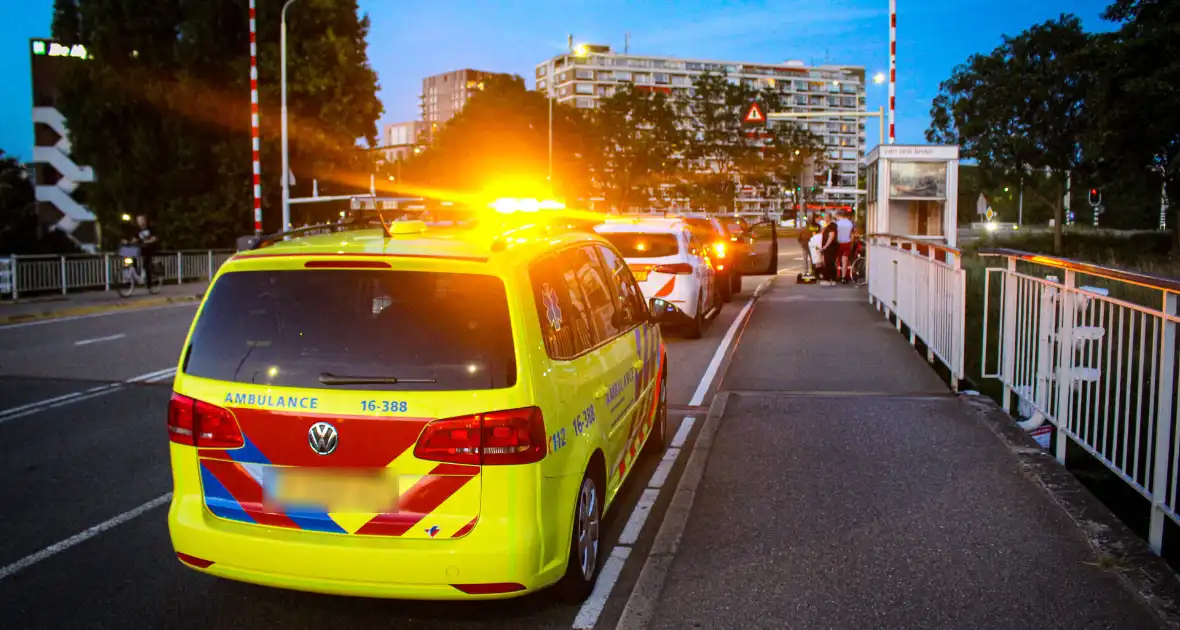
831 251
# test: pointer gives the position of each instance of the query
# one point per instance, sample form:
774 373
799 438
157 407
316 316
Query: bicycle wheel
858 271
157 278
127 287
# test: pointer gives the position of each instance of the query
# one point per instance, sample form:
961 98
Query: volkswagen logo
322 438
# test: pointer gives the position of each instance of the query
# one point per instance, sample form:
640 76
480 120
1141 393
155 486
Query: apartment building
444 95
593 72
398 140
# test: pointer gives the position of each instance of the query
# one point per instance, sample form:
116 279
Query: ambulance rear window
288 328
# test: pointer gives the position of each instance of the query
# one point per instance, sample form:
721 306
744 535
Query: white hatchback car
672 267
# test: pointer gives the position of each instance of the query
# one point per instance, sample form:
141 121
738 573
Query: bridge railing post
1066 315
1008 316
1160 493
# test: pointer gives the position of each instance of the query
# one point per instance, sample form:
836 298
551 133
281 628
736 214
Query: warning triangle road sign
754 114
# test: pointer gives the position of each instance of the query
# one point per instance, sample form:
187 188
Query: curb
1146 575
645 596
92 310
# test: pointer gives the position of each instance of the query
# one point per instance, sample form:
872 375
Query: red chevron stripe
466 529
416 503
364 442
248 493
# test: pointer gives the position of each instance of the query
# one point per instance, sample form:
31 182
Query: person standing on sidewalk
831 250
844 232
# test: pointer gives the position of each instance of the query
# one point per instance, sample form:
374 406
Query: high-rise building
593 72
444 95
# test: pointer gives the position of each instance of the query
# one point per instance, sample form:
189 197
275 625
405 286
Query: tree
1136 122
66 27
640 144
18 217
1021 108
500 141
725 153
162 110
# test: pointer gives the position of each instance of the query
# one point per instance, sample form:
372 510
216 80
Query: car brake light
196 423
515 436
719 247
676 268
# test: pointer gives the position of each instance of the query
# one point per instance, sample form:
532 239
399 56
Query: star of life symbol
552 308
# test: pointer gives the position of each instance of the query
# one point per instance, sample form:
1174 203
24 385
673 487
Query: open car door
761 250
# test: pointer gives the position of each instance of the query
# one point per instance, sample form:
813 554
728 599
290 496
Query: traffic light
1005 189
1093 191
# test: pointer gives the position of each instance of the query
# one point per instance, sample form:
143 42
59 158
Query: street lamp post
286 174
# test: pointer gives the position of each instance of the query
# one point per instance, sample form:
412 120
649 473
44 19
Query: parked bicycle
858 272
133 272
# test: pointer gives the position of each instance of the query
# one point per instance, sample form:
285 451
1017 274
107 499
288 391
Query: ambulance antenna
381 217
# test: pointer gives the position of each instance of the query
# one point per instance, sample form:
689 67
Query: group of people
831 246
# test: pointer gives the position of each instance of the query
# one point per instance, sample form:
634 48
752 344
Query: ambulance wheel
657 442
582 569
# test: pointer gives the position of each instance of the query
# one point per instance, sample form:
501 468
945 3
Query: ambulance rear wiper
328 378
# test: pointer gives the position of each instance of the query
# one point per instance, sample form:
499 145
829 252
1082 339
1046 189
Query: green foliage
1119 248
18 218
1137 125
502 135
1021 108
725 153
162 111
639 147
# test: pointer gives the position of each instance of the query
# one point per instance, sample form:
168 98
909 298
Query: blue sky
407 43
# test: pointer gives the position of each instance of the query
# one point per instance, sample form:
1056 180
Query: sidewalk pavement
89 302
848 487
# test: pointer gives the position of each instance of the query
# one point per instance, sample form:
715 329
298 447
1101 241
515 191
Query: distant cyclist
148 243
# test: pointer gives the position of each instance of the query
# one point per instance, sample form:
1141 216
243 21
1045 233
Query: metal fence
1092 351
924 287
38 275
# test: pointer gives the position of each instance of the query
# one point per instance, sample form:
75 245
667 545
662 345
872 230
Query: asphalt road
86 460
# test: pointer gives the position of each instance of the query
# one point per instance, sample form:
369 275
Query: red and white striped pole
254 136
892 66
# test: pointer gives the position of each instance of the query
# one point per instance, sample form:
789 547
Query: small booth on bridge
913 191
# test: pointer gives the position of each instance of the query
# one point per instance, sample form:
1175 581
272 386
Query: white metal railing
923 285
1096 362
26 275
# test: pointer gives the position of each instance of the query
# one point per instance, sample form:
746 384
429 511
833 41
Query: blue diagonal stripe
219 501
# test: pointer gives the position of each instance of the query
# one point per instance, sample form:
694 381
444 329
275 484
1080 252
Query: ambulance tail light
196 423
678 268
514 436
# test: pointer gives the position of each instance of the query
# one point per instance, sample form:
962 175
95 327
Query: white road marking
711 372
59 547
682 433
86 342
589 612
639 514
73 318
29 409
661 474
588 615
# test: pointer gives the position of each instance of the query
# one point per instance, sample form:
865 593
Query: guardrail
923 286
24 275
1096 360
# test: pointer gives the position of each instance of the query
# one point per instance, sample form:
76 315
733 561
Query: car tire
724 289
657 442
582 571
697 326
735 284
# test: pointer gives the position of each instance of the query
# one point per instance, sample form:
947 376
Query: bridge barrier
1096 359
41 274
923 286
